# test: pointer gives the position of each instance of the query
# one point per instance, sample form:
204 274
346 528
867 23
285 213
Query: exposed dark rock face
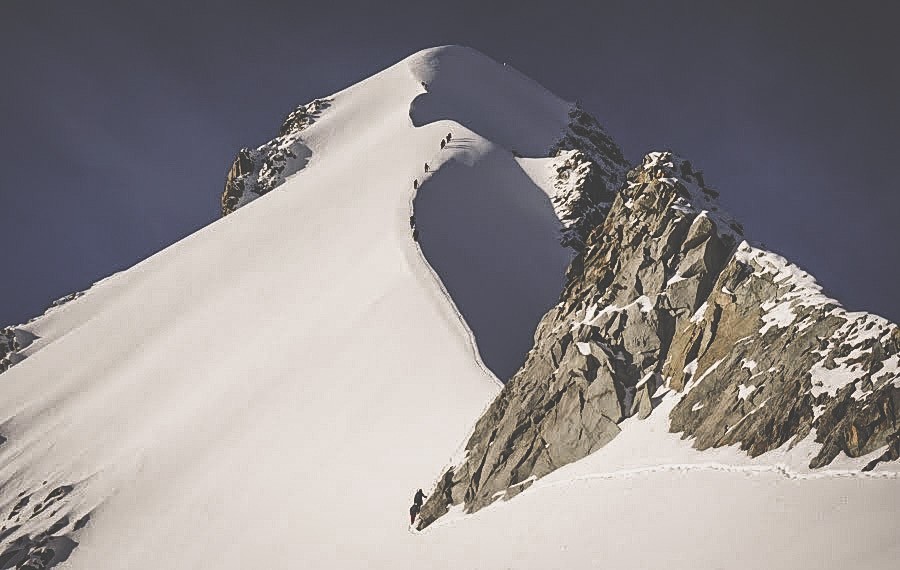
14 339
770 359
590 169
302 117
37 533
255 172
236 180
665 294
8 348
583 196
588 136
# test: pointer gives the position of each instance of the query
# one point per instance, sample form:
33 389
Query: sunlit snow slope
270 391
281 381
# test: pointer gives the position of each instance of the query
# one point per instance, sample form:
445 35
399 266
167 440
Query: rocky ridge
667 295
15 339
256 172
589 167
12 341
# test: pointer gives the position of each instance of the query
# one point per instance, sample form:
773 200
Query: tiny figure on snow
426 167
443 144
416 506
449 136
416 184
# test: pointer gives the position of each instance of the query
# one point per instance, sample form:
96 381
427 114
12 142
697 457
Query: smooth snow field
270 391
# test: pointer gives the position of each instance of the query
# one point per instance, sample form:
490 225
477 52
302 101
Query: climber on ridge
416 184
443 143
449 136
426 167
416 506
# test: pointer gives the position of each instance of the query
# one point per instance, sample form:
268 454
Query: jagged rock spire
667 295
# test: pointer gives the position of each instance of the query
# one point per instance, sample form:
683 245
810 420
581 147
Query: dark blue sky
117 123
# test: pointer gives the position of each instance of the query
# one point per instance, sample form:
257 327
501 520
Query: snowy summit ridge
444 73
293 372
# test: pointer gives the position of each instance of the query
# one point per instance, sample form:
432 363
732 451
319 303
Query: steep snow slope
265 382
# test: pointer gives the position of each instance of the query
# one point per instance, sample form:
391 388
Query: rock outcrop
256 172
37 533
8 347
590 168
12 341
15 339
666 294
769 359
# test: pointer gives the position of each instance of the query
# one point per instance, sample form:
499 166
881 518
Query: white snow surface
777 315
672 506
270 391
744 391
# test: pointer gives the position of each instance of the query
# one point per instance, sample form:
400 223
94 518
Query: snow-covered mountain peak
451 86
274 356
475 91
293 372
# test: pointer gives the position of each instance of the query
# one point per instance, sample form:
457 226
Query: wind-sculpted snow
494 101
538 125
679 517
37 531
507 267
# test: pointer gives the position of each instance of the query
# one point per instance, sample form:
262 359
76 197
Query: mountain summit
447 274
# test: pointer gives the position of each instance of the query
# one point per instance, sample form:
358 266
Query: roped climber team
412 219
444 142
